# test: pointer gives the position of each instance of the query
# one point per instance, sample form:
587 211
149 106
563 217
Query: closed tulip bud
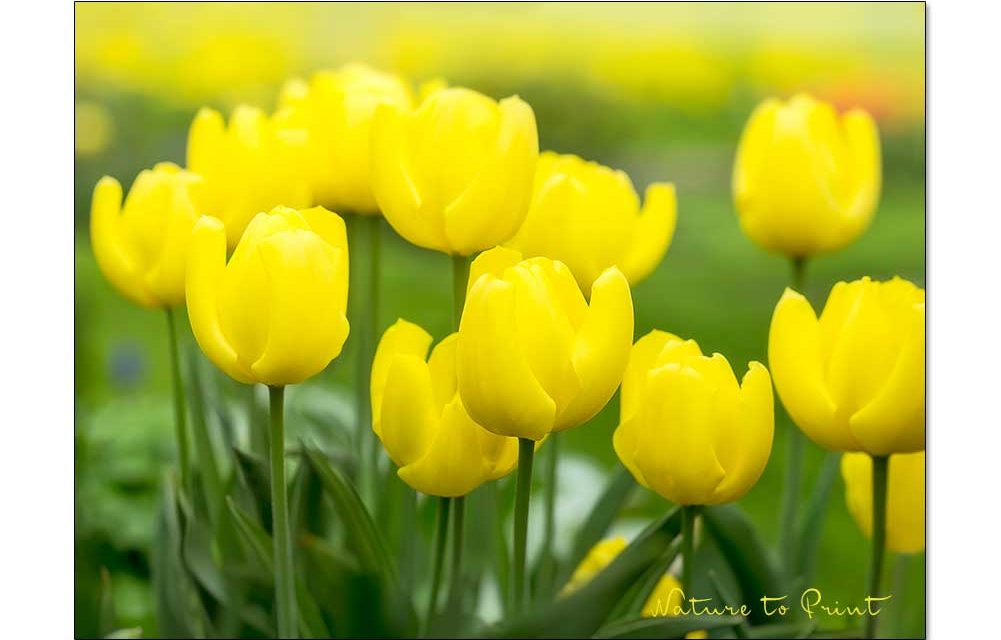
455 175
806 180
142 246
275 314
419 417
336 108
253 165
534 357
589 217
854 380
688 430
905 498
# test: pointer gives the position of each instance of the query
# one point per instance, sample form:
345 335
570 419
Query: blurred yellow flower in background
854 379
534 357
905 498
455 175
142 246
419 417
806 180
688 430
275 314
252 165
93 128
589 217
336 108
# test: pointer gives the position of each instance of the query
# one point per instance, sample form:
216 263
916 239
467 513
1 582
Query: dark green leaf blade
666 626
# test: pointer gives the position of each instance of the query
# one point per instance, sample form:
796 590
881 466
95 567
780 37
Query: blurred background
659 90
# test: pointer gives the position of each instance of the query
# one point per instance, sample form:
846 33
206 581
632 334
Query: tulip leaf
582 612
601 517
786 630
742 630
255 476
666 626
172 593
106 618
254 536
751 561
812 526
634 601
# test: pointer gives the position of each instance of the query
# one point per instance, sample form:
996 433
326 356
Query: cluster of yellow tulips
247 238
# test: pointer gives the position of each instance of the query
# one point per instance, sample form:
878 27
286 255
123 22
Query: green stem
689 513
180 407
284 586
365 280
458 539
460 279
548 558
438 561
880 476
408 539
523 492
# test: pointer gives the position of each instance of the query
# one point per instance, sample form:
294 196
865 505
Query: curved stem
284 587
460 278
688 515
880 476
523 492
458 517
438 561
180 406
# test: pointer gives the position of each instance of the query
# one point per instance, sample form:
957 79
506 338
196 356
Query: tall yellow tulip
688 430
854 379
455 174
419 417
589 217
336 108
806 180
275 314
256 163
534 357
905 498
142 246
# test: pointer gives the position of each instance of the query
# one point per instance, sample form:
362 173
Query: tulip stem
460 279
284 587
438 560
548 559
458 517
523 492
794 469
880 474
180 406
365 273
689 513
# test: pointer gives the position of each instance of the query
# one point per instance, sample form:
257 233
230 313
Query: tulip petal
403 338
795 360
752 438
110 251
442 366
498 388
642 358
862 139
625 441
409 418
308 325
330 226
494 262
166 278
206 266
602 348
205 141
653 232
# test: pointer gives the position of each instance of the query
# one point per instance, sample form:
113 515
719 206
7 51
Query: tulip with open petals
275 314
688 430
854 379
905 498
589 217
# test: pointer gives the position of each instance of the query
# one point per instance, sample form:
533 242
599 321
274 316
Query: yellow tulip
854 380
688 430
667 596
455 174
589 217
534 358
806 181
253 165
905 498
337 108
275 314
142 246
419 417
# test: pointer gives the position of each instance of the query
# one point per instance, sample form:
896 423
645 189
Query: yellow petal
409 419
795 360
905 498
625 441
494 262
403 338
112 255
752 439
665 600
166 278
205 140
653 232
330 226
206 264
862 140
642 358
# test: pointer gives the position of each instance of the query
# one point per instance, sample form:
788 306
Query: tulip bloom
905 498
854 379
589 217
455 175
253 165
337 109
806 181
275 314
688 430
142 246
533 357
419 417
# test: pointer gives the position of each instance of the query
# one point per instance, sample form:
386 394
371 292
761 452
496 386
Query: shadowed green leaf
254 536
666 627
598 521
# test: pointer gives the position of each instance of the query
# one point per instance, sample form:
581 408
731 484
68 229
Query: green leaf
742 630
254 536
106 618
634 601
582 612
255 477
605 510
808 539
751 561
172 589
780 630
130 632
666 626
